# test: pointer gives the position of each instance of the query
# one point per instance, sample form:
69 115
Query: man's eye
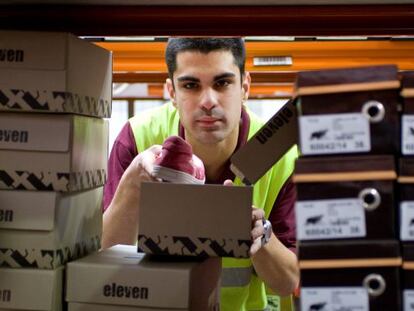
190 85
222 83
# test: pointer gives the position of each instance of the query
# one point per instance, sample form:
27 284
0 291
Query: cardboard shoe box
54 72
353 110
345 198
406 198
407 118
75 306
195 220
121 276
353 275
46 229
52 152
407 276
31 289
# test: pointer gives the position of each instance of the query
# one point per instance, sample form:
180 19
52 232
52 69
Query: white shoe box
54 72
121 276
52 152
47 228
31 289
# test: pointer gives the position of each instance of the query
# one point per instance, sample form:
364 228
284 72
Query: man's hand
120 220
257 229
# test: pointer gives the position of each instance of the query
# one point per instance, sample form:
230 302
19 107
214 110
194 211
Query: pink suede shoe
177 163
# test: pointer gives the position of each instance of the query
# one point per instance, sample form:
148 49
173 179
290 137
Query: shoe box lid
217 220
52 152
341 80
349 254
76 306
273 140
31 289
54 72
47 234
121 276
345 168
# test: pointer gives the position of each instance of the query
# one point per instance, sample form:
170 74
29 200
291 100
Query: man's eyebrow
224 75
187 78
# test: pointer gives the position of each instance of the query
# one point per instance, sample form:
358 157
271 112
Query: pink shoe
177 163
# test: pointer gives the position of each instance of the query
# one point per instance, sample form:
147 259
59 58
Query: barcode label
272 61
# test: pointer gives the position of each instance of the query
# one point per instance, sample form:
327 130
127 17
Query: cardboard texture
54 73
370 265
31 289
195 220
327 187
52 152
73 228
121 276
267 146
74 306
353 110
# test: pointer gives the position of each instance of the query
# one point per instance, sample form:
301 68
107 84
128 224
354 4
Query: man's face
208 94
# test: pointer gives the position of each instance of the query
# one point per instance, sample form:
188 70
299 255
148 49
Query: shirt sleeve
123 151
282 215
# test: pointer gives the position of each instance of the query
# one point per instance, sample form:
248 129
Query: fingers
257 214
228 182
257 230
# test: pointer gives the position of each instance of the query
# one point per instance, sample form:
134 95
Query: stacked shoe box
349 136
55 90
406 187
182 266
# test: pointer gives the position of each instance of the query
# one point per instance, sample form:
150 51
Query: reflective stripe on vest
238 292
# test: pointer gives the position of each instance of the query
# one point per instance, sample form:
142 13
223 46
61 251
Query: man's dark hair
204 45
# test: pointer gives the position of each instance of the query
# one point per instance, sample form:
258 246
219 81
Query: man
208 86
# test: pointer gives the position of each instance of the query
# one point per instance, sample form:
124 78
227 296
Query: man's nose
208 99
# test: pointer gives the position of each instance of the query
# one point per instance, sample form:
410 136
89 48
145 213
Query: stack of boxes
54 91
406 187
349 134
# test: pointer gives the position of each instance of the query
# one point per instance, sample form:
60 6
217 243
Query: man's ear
171 92
246 85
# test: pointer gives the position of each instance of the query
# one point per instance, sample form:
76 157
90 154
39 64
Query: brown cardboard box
353 110
52 152
195 220
31 289
351 275
54 72
63 227
121 276
407 276
406 198
345 197
407 118
75 306
266 146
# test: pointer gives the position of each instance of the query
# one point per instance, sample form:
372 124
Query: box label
408 300
407 221
334 133
330 219
407 134
334 299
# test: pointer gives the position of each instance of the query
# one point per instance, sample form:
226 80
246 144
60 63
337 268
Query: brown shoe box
345 198
31 289
353 110
47 229
350 274
52 72
121 276
406 199
75 306
195 220
407 276
54 152
407 118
